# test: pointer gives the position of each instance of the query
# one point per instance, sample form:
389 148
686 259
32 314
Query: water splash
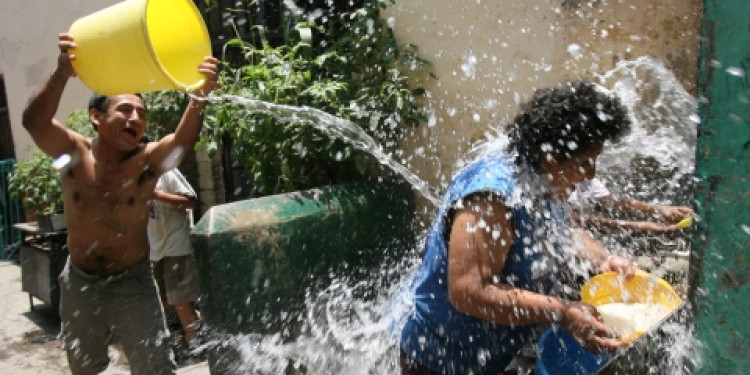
334 127
341 332
656 160
346 331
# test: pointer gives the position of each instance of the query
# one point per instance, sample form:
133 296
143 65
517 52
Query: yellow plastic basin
612 287
642 288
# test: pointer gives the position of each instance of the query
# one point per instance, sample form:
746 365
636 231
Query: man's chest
109 186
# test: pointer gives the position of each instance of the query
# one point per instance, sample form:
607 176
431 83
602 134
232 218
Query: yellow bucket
141 46
611 287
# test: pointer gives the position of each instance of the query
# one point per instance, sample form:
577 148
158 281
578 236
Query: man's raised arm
169 151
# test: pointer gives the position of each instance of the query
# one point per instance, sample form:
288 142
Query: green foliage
35 182
80 122
165 109
352 67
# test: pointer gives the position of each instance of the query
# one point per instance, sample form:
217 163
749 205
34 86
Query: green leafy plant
351 66
165 109
36 183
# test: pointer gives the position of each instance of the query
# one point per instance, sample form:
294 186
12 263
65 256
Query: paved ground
31 344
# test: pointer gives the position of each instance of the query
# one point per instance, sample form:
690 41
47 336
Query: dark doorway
7 150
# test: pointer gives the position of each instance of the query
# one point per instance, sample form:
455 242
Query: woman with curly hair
496 254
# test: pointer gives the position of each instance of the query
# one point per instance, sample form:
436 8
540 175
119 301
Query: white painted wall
28 55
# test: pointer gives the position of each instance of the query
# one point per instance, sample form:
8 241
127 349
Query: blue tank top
449 341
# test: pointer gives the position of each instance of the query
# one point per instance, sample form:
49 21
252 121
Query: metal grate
10 213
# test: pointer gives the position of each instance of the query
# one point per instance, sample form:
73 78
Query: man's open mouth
132 132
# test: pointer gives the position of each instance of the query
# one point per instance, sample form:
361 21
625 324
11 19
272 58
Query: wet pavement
31 343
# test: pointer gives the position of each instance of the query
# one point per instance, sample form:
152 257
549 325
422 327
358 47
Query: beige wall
28 55
490 55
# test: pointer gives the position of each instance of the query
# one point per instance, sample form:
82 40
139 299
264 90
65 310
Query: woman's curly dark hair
565 120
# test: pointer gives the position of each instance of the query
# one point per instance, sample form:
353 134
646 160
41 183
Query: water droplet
575 50
495 234
469 65
736 118
432 120
61 162
736 71
481 224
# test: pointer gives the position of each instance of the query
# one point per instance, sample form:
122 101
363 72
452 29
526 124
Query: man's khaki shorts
177 278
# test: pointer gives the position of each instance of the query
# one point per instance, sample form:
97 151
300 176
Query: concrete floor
31 344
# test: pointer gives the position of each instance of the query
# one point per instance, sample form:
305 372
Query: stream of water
345 333
335 127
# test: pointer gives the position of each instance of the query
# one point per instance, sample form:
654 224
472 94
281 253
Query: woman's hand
585 324
673 214
616 263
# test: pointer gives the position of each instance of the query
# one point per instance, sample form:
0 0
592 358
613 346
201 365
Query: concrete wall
490 55
28 55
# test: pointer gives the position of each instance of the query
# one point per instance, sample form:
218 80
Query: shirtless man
107 291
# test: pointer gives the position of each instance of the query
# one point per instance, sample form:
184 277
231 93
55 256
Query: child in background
171 253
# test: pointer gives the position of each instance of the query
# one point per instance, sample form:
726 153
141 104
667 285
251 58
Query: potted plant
37 185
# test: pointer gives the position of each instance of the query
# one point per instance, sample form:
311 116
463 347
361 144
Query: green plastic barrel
258 258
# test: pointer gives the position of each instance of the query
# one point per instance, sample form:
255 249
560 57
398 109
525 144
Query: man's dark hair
566 120
100 102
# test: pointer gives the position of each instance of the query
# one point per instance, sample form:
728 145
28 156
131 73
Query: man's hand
66 43
210 69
